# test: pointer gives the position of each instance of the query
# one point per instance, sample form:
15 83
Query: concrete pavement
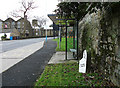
59 57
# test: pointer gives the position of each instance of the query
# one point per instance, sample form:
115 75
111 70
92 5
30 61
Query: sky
44 7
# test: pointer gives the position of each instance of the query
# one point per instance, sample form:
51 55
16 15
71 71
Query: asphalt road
13 44
26 72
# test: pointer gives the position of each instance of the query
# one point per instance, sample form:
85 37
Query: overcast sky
44 7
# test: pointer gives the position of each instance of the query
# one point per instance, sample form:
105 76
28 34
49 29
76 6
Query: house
9 28
9 23
20 25
40 31
1 23
24 26
36 29
10 32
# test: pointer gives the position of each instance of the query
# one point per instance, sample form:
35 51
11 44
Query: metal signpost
59 36
46 34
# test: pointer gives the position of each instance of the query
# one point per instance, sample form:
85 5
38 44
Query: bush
3 37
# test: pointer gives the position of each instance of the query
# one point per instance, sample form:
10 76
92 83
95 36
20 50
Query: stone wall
99 34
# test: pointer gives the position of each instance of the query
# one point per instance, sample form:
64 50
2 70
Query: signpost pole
46 34
59 36
66 40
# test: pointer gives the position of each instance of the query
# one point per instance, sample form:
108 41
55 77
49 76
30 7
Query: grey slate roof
9 19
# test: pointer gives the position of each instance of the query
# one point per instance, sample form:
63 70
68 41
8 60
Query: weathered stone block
109 39
110 48
118 60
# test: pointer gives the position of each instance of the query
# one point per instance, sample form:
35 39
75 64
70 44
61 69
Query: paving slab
59 57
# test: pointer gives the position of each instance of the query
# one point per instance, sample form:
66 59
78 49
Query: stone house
1 24
20 25
10 32
8 27
9 23
40 31
49 32
36 29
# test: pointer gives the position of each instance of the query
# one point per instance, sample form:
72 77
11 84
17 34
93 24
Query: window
0 25
13 25
22 24
18 24
6 25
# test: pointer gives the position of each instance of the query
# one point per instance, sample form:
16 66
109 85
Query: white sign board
82 63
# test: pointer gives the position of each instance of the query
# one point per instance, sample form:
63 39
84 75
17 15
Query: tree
75 10
41 21
26 6
38 22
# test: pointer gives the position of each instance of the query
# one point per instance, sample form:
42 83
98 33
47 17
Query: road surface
15 51
26 72
13 44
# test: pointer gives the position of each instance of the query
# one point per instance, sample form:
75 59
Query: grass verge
63 42
66 74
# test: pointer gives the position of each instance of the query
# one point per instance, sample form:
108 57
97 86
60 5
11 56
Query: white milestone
82 63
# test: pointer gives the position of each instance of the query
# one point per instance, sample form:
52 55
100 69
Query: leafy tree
78 10
75 10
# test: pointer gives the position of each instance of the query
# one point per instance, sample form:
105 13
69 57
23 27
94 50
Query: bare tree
26 6
41 21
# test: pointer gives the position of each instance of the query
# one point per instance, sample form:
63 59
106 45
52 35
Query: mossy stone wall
99 33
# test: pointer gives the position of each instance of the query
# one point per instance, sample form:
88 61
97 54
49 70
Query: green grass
63 42
66 74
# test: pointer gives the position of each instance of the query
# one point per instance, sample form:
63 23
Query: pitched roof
20 19
9 19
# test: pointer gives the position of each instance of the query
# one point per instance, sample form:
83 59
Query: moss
106 46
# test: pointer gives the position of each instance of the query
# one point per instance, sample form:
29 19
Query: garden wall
99 34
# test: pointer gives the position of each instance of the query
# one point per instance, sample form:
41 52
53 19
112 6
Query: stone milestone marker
82 63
